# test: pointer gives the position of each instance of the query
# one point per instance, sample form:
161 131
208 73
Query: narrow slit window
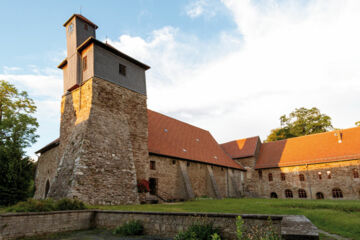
152 165
84 63
302 177
122 69
270 177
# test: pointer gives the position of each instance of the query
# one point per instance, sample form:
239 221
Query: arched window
355 173
47 188
319 195
282 176
337 193
273 195
302 177
319 174
270 177
302 193
288 193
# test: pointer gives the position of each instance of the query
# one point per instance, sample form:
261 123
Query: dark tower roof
82 18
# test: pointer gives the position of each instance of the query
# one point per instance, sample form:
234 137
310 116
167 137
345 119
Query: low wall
14 225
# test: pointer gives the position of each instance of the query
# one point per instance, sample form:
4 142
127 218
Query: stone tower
103 150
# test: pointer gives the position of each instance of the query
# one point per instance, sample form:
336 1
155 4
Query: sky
232 67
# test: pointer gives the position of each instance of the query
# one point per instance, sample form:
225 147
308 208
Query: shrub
32 205
130 228
256 232
69 204
199 231
46 205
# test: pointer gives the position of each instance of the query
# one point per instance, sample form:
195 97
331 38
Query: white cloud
290 55
199 8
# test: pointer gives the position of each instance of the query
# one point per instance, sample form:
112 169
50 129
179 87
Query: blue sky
229 66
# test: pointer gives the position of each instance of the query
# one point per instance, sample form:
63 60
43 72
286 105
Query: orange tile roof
171 137
311 149
241 148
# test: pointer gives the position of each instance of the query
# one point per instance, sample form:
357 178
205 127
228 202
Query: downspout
307 176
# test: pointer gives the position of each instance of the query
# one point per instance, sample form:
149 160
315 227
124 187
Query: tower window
282 175
270 177
122 69
152 165
84 63
302 193
302 177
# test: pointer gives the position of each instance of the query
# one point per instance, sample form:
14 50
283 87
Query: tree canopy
17 131
357 123
301 122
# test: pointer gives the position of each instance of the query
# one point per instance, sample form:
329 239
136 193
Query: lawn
339 217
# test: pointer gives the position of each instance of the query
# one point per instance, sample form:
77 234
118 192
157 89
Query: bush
131 228
46 205
256 232
199 231
68 204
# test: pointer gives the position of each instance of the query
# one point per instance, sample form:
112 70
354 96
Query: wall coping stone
11 214
199 214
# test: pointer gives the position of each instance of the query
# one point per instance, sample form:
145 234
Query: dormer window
122 69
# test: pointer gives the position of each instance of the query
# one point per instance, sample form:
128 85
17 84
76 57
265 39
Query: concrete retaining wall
16 225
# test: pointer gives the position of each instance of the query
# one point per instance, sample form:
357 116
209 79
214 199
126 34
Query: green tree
301 122
17 131
357 123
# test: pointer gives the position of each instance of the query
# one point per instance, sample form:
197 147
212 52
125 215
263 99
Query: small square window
152 165
122 69
84 63
283 177
188 164
173 161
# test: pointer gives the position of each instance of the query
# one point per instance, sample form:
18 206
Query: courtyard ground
340 217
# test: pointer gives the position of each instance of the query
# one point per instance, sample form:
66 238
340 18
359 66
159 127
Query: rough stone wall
46 170
103 144
171 184
341 177
16 225
251 185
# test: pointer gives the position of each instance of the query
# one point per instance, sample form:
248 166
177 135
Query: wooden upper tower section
88 57
78 29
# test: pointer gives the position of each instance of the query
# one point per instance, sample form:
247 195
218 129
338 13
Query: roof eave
82 18
62 64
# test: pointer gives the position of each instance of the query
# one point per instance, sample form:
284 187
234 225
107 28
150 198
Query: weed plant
131 228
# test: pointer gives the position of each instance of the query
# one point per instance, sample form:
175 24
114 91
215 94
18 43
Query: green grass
339 217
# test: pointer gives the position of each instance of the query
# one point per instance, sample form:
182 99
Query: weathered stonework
103 144
341 177
171 185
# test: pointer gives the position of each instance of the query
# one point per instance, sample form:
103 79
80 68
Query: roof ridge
180 121
240 139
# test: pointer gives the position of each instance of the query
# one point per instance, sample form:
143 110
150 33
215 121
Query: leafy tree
301 122
357 123
17 131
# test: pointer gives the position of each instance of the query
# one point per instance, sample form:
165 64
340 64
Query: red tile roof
171 137
316 148
241 148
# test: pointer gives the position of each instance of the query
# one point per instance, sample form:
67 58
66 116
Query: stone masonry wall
45 171
341 177
103 144
171 185
251 186
15 225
